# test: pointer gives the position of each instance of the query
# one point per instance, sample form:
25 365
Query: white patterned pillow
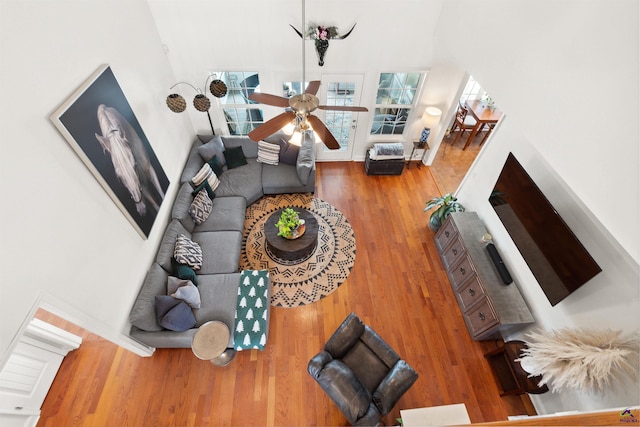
268 153
206 174
201 207
188 252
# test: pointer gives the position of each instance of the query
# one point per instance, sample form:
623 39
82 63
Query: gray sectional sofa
219 236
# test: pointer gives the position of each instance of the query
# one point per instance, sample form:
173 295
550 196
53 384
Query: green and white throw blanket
251 310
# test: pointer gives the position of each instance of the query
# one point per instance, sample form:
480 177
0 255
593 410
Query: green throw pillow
216 165
234 157
206 186
185 272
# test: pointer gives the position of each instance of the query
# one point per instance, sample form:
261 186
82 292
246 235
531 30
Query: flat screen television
557 259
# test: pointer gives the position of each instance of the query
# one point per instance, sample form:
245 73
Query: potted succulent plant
289 224
445 205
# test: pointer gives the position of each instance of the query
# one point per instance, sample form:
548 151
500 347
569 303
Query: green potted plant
445 205
289 223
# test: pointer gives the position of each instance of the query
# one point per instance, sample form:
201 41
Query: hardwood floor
452 162
397 286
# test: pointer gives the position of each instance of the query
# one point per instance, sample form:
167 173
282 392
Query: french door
339 89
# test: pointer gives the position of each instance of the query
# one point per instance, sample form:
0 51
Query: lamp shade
218 88
176 103
431 117
201 102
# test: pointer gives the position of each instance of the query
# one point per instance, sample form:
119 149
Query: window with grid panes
241 114
394 102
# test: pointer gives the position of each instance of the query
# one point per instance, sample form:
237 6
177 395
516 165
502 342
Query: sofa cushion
174 314
234 157
143 313
279 179
188 252
214 147
168 244
201 207
227 214
219 294
222 254
243 181
306 159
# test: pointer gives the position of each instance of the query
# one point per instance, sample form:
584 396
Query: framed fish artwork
99 124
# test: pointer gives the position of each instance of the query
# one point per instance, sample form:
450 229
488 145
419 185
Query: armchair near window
361 373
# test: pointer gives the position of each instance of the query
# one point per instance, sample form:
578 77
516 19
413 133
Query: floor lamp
177 103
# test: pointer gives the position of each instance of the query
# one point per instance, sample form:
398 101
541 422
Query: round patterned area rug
311 279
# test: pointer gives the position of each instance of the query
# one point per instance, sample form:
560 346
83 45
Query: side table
509 375
210 343
417 145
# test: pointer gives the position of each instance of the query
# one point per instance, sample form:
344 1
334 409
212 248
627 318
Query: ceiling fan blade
313 87
323 132
341 108
272 126
265 98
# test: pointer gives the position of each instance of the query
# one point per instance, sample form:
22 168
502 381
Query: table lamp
430 118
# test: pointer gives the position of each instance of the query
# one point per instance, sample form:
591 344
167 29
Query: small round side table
210 343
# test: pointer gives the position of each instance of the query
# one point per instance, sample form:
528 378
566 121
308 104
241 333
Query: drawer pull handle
462 270
472 292
446 234
455 251
482 316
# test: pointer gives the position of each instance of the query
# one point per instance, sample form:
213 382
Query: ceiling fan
299 108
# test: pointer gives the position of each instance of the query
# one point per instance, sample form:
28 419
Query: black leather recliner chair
361 373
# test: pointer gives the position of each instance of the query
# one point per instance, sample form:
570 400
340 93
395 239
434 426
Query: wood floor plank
397 285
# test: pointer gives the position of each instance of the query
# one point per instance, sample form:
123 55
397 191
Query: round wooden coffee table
291 250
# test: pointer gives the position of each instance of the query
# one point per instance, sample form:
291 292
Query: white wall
204 37
65 244
566 75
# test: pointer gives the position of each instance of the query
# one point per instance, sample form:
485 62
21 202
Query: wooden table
483 116
291 250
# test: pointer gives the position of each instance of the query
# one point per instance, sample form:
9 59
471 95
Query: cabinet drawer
453 252
469 293
446 234
481 318
461 271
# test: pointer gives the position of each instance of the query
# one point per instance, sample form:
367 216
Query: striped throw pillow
268 153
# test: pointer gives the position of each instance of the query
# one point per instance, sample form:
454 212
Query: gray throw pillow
288 153
214 147
189 294
306 158
173 314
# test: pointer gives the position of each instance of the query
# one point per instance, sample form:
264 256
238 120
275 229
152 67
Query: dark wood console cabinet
489 307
